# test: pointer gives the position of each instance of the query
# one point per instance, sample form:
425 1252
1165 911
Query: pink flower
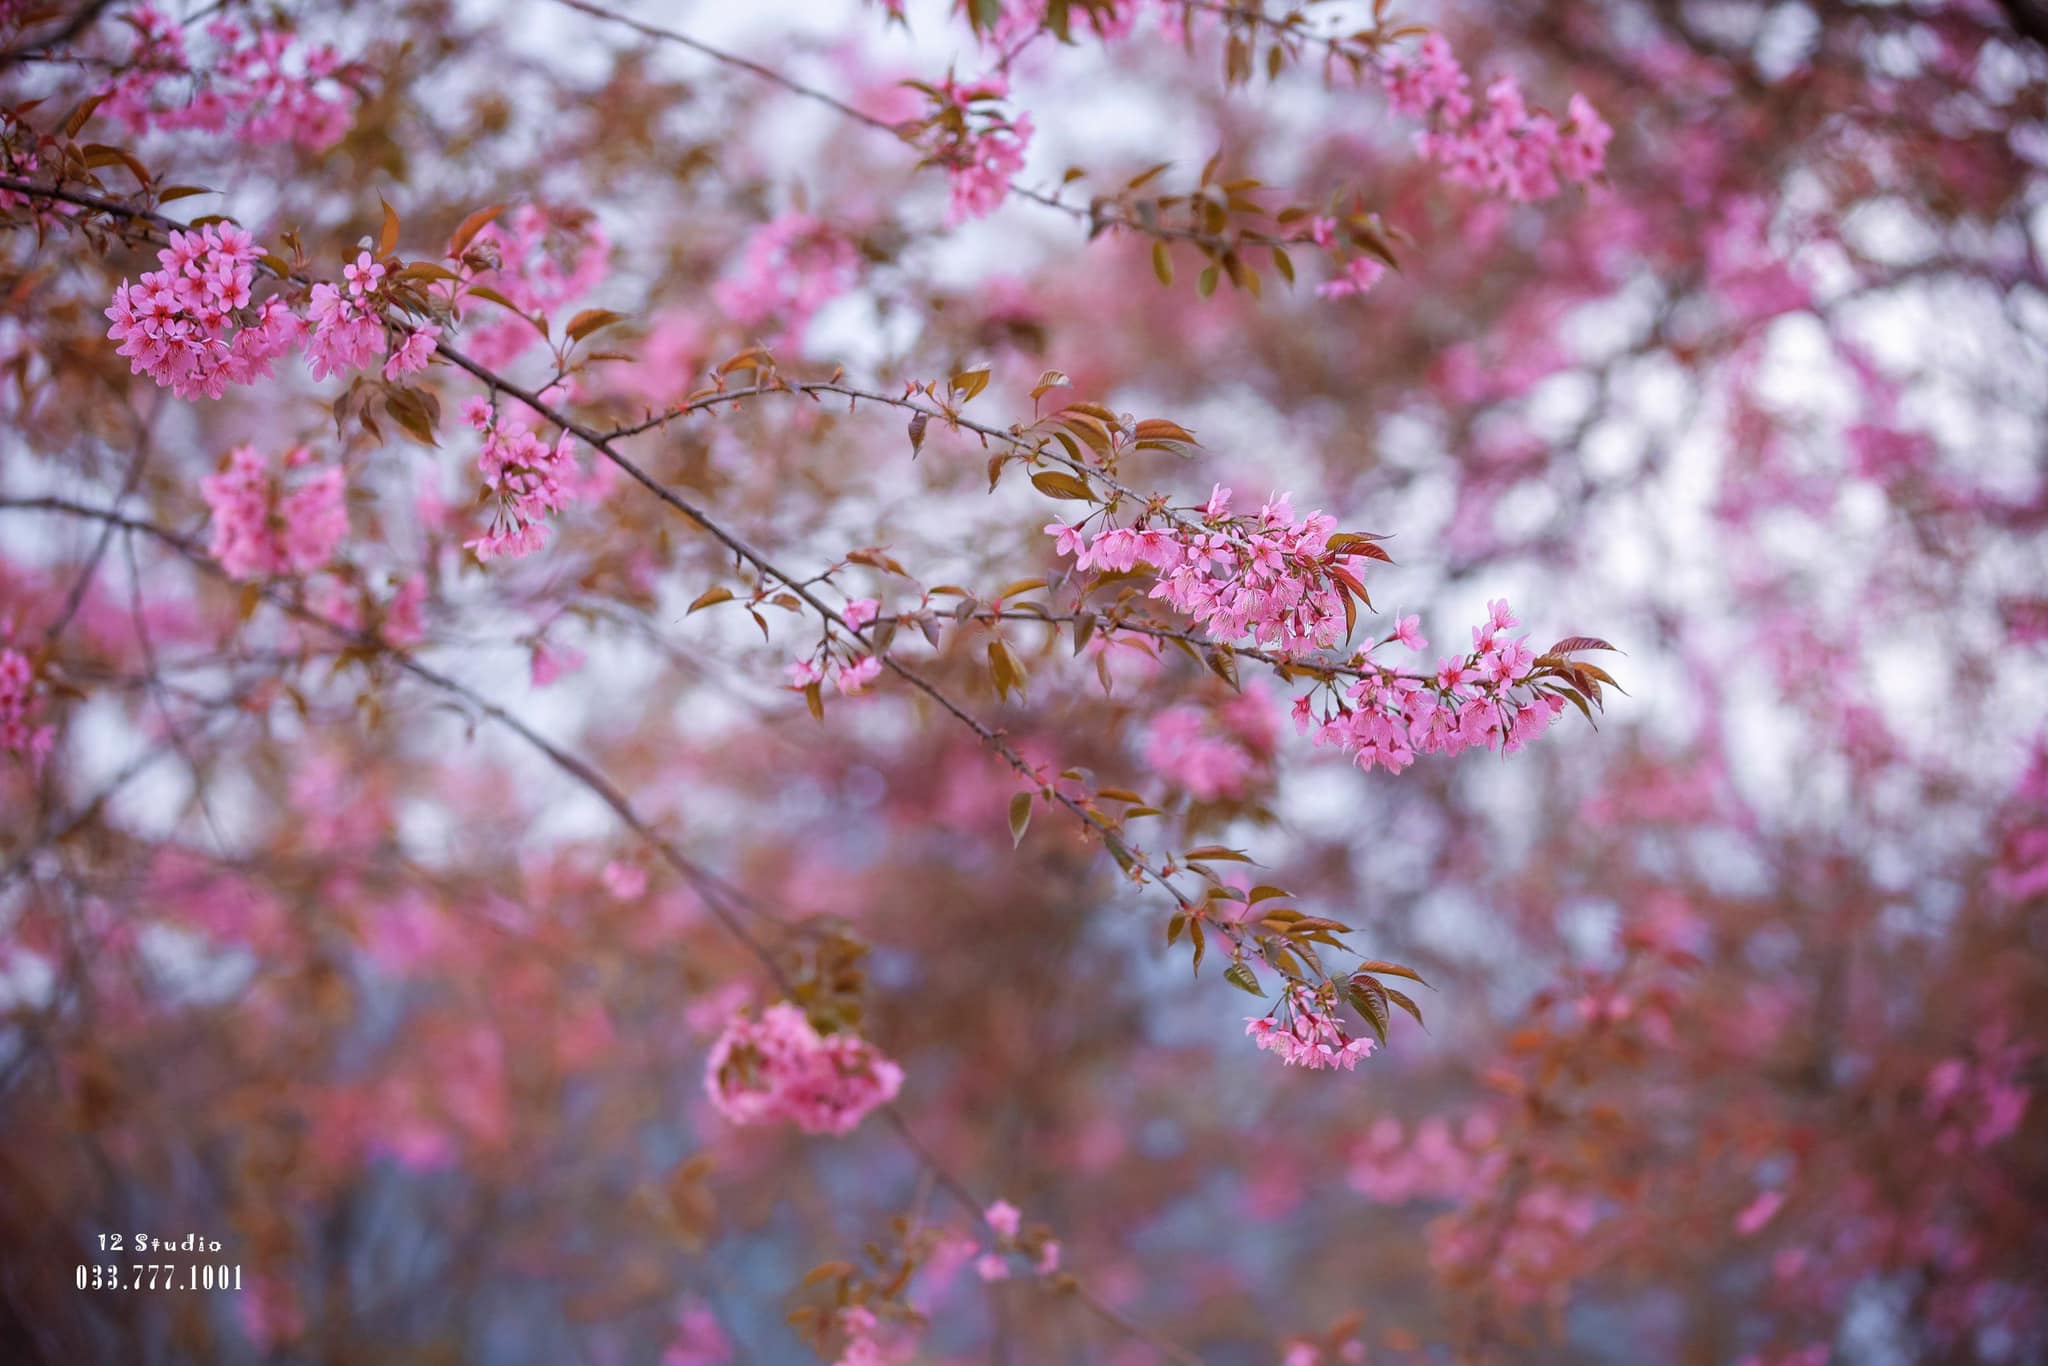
981 147
547 257
413 353
626 881
362 275
698 1340
550 663
1180 747
1386 718
1067 540
1582 150
1503 146
1759 1212
188 325
258 82
856 678
992 1267
1271 576
860 612
789 269
260 528
1004 1218
1309 1033
18 706
1429 82
779 1068
525 479
405 614
1360 274
1408 630
342 333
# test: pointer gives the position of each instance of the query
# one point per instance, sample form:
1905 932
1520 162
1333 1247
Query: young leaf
591 320
1240 975
1572 644
1217 851
1402 1000
1060 484
1391 970
467 230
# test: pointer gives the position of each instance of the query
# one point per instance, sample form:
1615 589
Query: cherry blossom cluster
780 1068
261 527
525 479
1504 147
837 663
1976 1102
1358 273
1520 1246
1273 576
1431 1164
1388 717
1308 1032
399 619
1217 753
190 327
405 615
699 1339
260 83
544 257
193 328
867 1341
344 328
19 733
790 268
1037 1246
980 144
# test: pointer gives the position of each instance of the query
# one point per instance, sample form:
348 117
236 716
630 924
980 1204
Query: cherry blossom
780 1069
191 326
1308 1033
262 526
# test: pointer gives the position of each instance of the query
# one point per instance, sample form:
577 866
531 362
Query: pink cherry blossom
19 704
780 1069
191 326
263 527
525 480
1308 1033
791 267
257 82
